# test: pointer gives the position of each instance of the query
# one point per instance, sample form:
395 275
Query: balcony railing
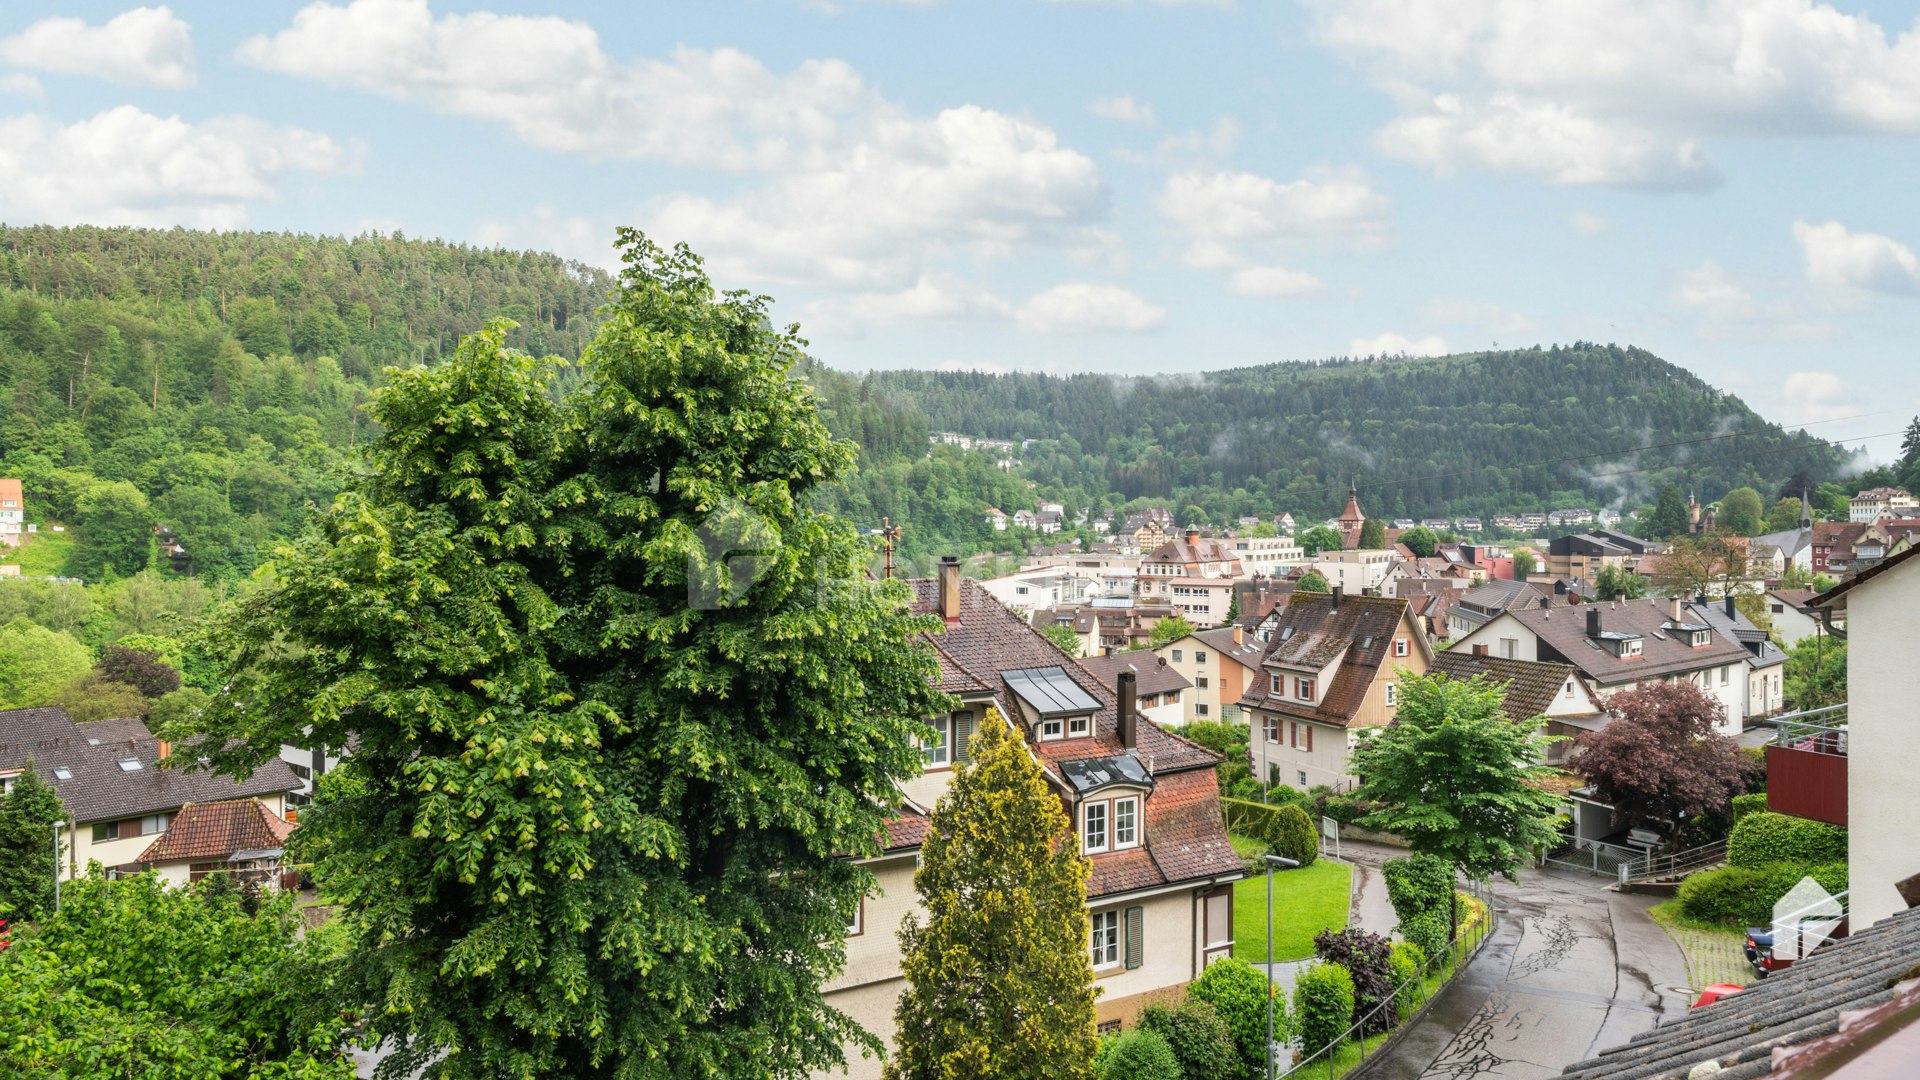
1807 765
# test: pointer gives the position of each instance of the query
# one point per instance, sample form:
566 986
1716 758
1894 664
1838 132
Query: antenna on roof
889 535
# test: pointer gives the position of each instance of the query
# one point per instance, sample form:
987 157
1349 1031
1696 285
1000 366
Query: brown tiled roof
1840 534
1530 687
1202 550
1182 842
955 679
1796 597
1246 652
1563 636
99 789
215 830
1360 633
1152 674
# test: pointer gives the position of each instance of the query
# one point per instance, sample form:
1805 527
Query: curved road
1572 969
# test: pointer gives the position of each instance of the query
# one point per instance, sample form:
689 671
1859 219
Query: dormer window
1079 727
1276 685
1626 647
1702 637
1303 689
1093 827
1110 825
1052 729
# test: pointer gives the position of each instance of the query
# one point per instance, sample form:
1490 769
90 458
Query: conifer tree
27 814
999 974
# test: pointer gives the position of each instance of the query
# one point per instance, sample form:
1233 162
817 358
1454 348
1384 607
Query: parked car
1717 991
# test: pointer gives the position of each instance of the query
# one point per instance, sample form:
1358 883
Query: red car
5 938
1717 991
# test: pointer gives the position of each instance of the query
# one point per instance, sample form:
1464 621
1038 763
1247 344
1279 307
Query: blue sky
1141 186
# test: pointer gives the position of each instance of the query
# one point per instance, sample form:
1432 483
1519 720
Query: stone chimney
1593 622
1129 712
1674 611
950 588
1336 593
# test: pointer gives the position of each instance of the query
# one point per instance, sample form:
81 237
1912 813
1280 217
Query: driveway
1572 969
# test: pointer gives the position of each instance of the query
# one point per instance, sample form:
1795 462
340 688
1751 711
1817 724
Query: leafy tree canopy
1318 539
1742 511
1172 628
1420 540
620 701
36 662
1661 756
27 814
1312 582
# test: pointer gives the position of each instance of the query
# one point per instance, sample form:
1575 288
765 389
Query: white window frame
1276 683
1104 939
858 924
1201 708
1052 729
1086 828
1132 806
1393 695
1726 674
1303 687
939 738
1400 646
1199 655
1079 727
1177 656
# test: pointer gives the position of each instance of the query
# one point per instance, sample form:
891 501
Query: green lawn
1305 902
44 556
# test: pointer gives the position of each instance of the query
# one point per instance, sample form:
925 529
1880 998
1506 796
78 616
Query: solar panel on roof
1050 691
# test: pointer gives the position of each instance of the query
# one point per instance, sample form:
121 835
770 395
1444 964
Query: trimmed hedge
1238 992
1284 826
1765 837
1407 959
1322 1005
1745 895
1427 931
1417 884
1749 804
1200 1040
1137 1055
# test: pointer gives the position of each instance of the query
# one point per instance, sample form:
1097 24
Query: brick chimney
950 588
1129 711
1480 650
1238 639
1593 622
1193 536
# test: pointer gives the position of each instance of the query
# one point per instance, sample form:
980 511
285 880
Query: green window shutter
1135 917
962 736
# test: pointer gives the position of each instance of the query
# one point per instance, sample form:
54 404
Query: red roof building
241 836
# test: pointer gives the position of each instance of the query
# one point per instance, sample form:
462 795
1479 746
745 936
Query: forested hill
1472 433
212 381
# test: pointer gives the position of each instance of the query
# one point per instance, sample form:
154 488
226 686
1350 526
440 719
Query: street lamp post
56 865
1288 864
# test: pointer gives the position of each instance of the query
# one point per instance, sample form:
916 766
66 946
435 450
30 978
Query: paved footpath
1571 969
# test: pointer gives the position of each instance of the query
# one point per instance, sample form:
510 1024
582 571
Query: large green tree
1457 778
1669 514
999 977
1742 511
621 703
116 527
1420 540
1318 539
1373 535
27 862
36 662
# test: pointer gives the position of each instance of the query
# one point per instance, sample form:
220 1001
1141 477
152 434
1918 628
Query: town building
1270 555
1355 570
1881 741
1882 502
1145 530
239 836
1622 645
1144 806
1331 670
13 512
996 518
1160 690
1795 618
1220 664
1351 520
1766 662
117 797
1484 602
1194 575
1529 690
1833 545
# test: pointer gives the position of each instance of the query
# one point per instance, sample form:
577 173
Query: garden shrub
1748 804
1407 960
1199 1038
1294 836
1344 809
1238 992
1368 958
1322 1005
1417 884
1427 931
1282 793
1137 1055
1766 837
1745 895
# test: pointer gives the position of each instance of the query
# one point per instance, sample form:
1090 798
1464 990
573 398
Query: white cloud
926 300
125 166
1587 224
1082 307
1190 149
1392 344
1819 395
1479 314
1707 289
1836 257
1122 108
1621 92
545 228
148 45
1234 206
1272 281
20 85
853 192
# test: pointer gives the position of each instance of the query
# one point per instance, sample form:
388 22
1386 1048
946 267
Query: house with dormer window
1330 671
1143 802
1625 644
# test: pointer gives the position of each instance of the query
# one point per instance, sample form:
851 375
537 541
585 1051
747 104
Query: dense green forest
214 382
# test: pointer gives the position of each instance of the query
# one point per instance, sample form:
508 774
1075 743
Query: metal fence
1650 866
1593 857
1411 994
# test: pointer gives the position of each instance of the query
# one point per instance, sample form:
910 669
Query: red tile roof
205 831
1359 633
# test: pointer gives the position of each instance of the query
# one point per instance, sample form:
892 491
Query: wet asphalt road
1572 969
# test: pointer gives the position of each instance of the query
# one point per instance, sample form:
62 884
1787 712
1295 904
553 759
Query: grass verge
1305 902
43 556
